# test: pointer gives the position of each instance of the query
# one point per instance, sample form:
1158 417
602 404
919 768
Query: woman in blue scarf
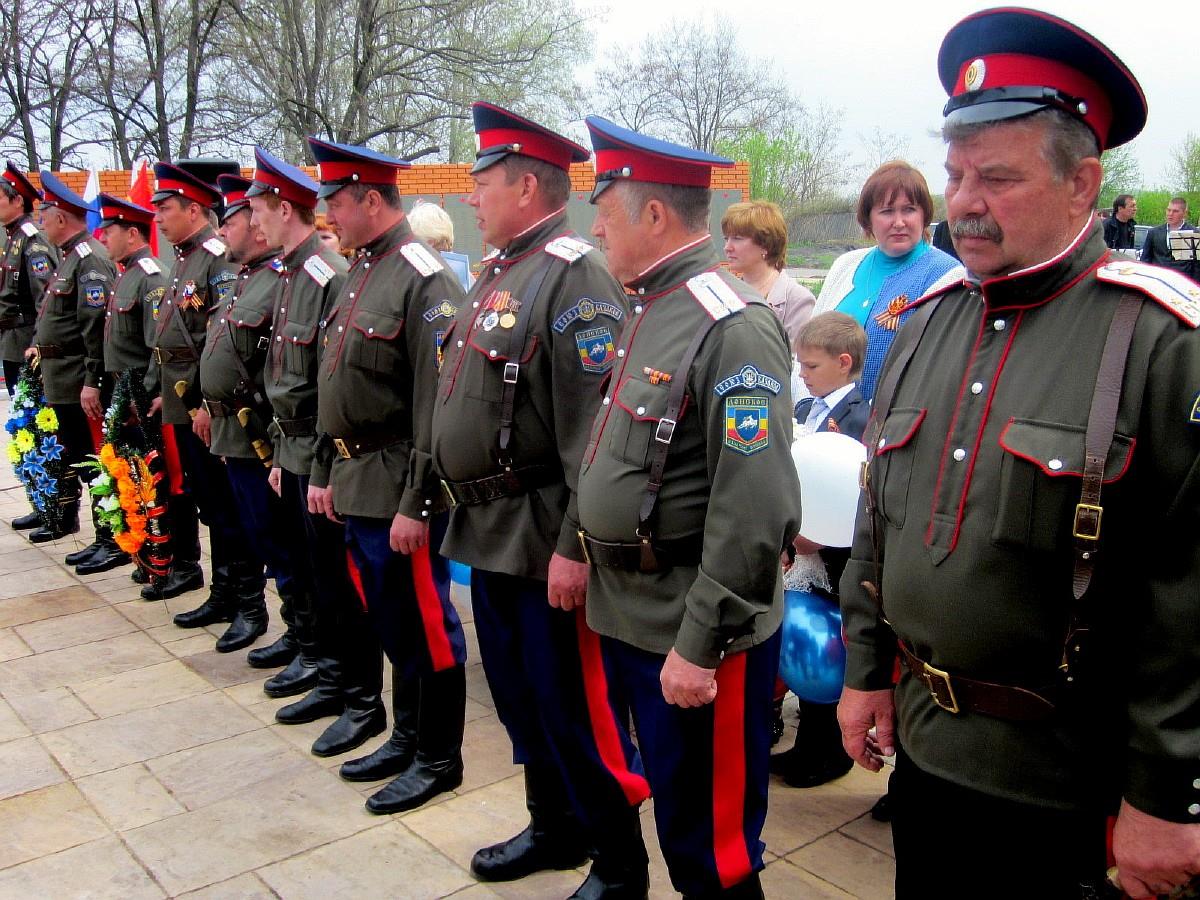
873 285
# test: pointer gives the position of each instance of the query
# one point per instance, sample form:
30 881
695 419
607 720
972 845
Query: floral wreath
35 452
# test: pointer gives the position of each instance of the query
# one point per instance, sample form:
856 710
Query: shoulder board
421 259
944 289
83 250
717 298
488 257
29 228
319 270
149 265
215 246
1172 290
569 248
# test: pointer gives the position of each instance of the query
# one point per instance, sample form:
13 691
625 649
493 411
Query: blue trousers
707 765
407 597
274 537
534 657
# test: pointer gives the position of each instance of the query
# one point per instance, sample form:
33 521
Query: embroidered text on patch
746 421
586 310
748 378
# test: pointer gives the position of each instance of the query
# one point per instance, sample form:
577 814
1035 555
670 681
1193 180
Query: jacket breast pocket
249 331
126 315
500 360
299 347
376 344
634 424
893 463
1041 477
61 296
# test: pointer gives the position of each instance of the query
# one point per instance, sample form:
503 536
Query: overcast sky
878 61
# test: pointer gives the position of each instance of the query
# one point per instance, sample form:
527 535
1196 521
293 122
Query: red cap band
650 167
367 172
538 146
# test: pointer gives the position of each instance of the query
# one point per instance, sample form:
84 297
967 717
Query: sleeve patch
421 259
149 265
443 310
717 298
222 277
748 378
215 246
586 310
29 229
597 349
40 265
1170 289
83 250
746 423
569 248
319 270
95 296
1194 418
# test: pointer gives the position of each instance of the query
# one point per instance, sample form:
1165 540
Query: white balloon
828 465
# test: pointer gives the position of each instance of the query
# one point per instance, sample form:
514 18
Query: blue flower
51 449
12 426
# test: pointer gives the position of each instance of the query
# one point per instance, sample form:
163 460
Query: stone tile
100 870
226 768
223 669
477 687
782 879
32 607
463 824
11 726
255 829
250 693
146 733
46 821
14 562
487 757
77 628
51 710
190 646
797 817
26 766
872 833
388 861
142 614
474 710
124 593
129 797
855 868
140 688
44 578
476 891
545 886
244 887
11 645
72 665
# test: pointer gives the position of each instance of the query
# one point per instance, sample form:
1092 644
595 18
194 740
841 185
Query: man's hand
1153 856
407 535
275 480
567 582
202 426
89 399
687 684
30 352
805 547
320 503
155 407
860 711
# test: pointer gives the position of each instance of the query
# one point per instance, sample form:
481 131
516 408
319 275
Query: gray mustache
977 228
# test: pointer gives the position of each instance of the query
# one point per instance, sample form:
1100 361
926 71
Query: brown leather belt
49 351
218 410
168 354
507 484
957 694
643 556
349 448
297 427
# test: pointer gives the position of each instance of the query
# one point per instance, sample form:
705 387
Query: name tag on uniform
215 246
568 248
320 271
29 229
717 298
149 265
83 250
421 259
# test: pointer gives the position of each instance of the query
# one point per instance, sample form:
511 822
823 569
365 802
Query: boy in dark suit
830 348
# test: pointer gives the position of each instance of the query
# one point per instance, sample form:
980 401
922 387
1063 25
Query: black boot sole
353 742
266 658
44 537
516 869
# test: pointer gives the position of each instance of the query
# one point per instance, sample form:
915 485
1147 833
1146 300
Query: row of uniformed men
518 431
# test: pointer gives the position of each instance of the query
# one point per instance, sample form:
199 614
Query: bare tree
1183 171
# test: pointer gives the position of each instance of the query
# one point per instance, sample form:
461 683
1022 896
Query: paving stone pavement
135 761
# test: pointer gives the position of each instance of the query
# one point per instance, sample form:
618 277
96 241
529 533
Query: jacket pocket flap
378 325
1059 449
299 333
899 428
245 318
643 401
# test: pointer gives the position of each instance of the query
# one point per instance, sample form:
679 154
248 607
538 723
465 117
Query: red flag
140 192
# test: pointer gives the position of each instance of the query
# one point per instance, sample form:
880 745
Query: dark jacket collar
533 238
261 260
676 267
188 244
74 240
16 223
1040 284
132 258
398 234
302 252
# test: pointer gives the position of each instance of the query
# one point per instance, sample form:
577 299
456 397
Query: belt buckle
1078 529
342 449
587 557
934 677
158 356
449 492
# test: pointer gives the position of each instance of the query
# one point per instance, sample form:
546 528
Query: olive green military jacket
201 280
570 345
976 476
310 279
240 329
129 320
378 377
729 477
29 262
71 319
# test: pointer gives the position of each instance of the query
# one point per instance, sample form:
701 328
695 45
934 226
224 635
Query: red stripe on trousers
171 458
429 604
356 578
96 427
729 772
600 714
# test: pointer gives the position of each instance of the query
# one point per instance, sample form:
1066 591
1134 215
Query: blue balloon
812 656
460 574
